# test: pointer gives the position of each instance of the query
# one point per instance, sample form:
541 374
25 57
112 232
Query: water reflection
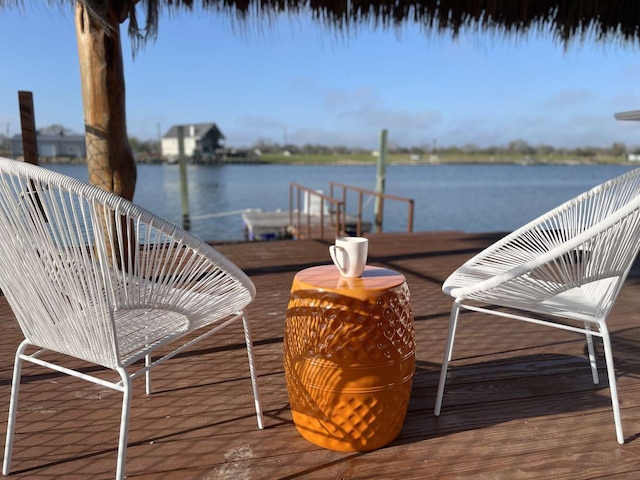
470 198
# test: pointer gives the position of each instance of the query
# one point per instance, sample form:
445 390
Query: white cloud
625 102
570 98
259 122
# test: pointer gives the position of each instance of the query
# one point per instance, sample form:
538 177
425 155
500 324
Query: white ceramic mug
349 254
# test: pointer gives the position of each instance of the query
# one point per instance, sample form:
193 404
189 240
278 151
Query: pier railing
308 204
379 197
313 213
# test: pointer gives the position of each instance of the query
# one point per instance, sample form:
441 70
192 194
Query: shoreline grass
446 158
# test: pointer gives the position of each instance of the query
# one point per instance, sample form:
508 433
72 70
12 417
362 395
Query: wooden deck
520 402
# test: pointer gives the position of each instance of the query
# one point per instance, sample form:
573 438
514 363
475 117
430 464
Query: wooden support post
186 220
30 142
380 178
28 126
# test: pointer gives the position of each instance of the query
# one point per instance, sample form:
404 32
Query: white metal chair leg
592 354
124 424
611 374
252 370
13 408
147 374
455 310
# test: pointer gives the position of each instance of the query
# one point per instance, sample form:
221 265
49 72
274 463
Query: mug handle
332 252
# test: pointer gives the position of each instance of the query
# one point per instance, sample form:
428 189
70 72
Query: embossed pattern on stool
349 366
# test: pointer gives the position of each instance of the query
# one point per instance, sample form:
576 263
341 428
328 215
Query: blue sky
293 80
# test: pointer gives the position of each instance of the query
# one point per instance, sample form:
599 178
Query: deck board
520 402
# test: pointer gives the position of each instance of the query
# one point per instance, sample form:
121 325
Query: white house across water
201 140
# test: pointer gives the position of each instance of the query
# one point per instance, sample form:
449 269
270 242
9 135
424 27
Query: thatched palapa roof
565 20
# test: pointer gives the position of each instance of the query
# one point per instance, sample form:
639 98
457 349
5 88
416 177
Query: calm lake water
469 198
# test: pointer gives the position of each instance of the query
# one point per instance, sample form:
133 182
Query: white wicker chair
564 270
59 274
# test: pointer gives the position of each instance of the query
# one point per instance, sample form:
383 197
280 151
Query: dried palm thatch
565 20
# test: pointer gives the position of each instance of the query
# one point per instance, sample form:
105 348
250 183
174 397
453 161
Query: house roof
201 129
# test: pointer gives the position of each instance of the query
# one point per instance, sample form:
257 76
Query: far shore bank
391 159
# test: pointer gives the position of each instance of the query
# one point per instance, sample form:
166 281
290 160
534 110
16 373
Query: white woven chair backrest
65 274
589 242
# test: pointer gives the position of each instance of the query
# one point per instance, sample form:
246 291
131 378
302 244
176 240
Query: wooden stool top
328 278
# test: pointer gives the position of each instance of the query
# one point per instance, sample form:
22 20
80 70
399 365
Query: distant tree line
520 147
151 148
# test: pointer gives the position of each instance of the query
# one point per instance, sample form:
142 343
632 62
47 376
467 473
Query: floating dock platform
259 225
275 225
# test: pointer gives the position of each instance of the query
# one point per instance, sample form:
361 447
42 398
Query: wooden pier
313 214
520 402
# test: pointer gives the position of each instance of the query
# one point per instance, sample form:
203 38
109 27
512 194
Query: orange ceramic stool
349 357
